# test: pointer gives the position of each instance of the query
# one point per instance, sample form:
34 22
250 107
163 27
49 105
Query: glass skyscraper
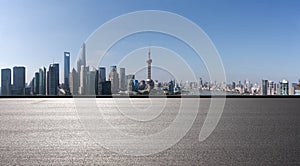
53 76
18 81
5 82
122 80
264 87
66 70
42 82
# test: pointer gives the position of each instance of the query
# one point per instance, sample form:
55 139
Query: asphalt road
251 131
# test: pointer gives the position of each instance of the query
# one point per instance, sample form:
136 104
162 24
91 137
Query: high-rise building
18 87
122 80
5 82
101 74
297 88
47 82
66 70
74 82
53 76
82 80
270 88
31 85
114 78
42 82
264 87
284 87
106 88
233 85
82 58
149 61
130 82
91 83
36 83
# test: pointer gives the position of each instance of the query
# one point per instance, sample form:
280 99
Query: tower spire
149 61
149 53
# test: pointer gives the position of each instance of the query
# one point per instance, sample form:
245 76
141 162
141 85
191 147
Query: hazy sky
256 38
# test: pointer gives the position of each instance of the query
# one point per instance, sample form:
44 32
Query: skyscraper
74 82
270 88
82 80
149 61
102 74
82 58
91 82
130 82
122 80
5 82
114 78
18 81
284 87
36 83
66 70
101 80
42 82
53 77
264 87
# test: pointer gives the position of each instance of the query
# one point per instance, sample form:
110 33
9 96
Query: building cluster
84 80
266 87
18 87
87 80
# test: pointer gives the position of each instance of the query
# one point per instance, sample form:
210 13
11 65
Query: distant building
91 83
264 87
42 82
102 74
122 80
82 58
47 83
271 88
104 87
130 82
200 83
27 90
66 70
31 85
5 82
53 76
74 82
36 83
18 87
114 79
233 85
284 87
82 79
296 88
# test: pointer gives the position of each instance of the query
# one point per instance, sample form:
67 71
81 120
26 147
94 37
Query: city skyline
251 37
88 80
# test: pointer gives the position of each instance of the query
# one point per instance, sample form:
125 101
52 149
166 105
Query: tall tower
66 69
122 83
53 76
82 58
18 80
264 87
149 61
74 82
5 82
114 78
42 82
